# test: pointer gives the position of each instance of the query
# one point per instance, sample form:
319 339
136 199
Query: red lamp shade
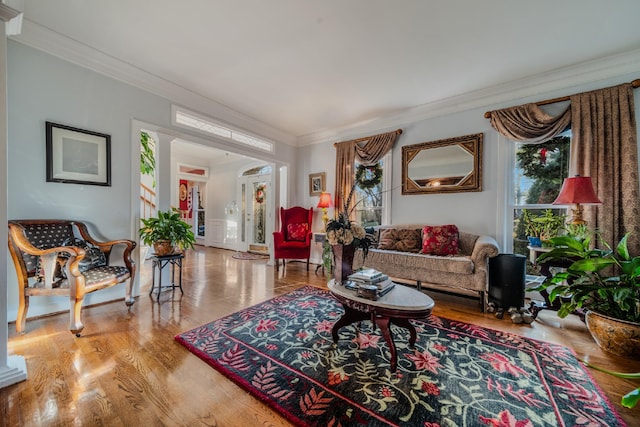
577 190
325 200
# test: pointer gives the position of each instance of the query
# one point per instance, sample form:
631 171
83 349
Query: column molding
13 369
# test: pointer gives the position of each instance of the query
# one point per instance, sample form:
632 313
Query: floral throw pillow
440 240
298 231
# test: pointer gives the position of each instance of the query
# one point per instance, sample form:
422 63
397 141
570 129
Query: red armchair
293 241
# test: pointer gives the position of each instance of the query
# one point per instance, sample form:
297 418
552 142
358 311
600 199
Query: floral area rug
458 374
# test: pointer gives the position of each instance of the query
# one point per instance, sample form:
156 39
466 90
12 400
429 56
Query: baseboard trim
15 372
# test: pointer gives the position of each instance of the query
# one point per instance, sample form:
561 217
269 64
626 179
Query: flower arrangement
343 231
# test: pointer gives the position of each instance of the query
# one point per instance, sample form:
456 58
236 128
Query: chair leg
21 319
307 264
75 313
128 299
277 264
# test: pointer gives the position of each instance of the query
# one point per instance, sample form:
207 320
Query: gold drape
368 151
604 147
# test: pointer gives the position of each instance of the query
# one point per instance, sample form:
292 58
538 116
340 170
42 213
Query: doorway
257 197
192 204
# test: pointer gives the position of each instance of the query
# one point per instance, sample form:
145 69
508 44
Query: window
191 120
195 171
372 192
538 173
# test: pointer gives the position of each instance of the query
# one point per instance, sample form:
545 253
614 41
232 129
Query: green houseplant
543 227
147 157
166 232
605 282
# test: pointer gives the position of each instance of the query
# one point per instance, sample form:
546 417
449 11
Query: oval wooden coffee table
398 306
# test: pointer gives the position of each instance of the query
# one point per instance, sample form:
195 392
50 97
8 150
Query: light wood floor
127 370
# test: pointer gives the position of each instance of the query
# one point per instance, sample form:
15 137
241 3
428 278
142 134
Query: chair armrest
108 245
278 238
485 247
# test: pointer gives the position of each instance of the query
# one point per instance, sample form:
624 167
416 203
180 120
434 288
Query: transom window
192 120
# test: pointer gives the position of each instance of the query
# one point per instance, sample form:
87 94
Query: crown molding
12 19
505 93
42 38
56 44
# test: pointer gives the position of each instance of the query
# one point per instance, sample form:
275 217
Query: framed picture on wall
77 156
316 183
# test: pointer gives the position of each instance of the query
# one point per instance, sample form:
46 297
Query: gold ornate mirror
451 165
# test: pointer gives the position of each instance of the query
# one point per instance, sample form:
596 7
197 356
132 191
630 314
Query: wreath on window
368 177
260 193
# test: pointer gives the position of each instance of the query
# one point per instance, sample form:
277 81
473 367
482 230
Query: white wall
313 159
45 88
475 212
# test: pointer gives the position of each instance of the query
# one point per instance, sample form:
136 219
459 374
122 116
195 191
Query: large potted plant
166 232
603 282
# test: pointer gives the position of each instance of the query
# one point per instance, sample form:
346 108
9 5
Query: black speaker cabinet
507 275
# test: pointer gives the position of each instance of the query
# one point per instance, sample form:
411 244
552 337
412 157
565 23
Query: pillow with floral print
297 231
440 240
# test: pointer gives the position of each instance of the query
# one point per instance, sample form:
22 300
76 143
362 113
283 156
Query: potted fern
166 232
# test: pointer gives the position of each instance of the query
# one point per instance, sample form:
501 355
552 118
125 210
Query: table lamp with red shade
324 203
579 191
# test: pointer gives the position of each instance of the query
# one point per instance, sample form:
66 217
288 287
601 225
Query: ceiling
305 67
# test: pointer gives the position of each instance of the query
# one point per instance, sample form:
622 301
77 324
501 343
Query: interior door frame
247 212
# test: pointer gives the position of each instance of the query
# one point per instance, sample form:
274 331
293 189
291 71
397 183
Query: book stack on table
370 283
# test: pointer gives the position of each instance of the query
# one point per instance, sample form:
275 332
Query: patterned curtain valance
368 151
528 123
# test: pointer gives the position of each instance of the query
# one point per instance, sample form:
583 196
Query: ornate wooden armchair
293 241
59 257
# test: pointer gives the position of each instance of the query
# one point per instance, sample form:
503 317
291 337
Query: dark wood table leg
350 316
153 276
384 323
179 260
381 321
404 323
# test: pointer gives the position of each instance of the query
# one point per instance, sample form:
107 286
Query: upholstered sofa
396 251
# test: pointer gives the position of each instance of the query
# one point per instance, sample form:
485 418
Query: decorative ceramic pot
534 241
342 262
613 335
163 247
